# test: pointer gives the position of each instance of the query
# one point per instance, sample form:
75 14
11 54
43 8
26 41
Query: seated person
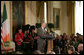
19 38
80 48
28 36
70 50
34 36
26 31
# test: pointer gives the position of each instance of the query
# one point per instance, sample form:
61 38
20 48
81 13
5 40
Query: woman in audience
68 41
70 50
75 42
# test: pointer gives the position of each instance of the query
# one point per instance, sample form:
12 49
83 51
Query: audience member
80 48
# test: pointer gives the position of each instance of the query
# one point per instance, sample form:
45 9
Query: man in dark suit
43 35
41 41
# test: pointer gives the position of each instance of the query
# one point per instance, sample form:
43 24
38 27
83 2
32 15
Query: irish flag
5 26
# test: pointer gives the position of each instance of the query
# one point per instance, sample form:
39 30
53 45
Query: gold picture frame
56 18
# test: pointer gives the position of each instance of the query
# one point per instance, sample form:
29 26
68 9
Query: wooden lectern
50 39
50 46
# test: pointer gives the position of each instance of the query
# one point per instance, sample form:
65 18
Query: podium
50 46
50 43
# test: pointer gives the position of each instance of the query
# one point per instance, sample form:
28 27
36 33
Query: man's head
78 34
43 25
80 47
70 50
32 28
59 37
64 33
19 29
81 37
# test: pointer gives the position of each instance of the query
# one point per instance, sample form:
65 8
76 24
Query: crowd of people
26 38
65 44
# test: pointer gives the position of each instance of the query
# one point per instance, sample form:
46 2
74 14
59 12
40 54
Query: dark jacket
41 39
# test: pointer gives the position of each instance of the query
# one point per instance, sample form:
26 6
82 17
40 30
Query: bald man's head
80 47
43 25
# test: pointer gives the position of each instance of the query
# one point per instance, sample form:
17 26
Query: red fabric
1 31
17 37
27 40
1 37
30 37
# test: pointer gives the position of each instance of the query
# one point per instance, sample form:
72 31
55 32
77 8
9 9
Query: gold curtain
40 10
71 17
